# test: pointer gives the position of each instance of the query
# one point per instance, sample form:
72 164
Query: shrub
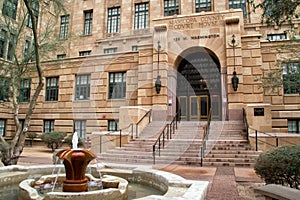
68 140
31 136
280 166
54 139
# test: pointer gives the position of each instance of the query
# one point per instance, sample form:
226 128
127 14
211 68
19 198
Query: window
82 90
117 85
48 126
291 77
85 53
238 4
35 9
113 20
10 8
24 95
11 47
88 20
2 43
171 7
4 89
110 50
294 125
274 37
113 125
135 48
61 56
64 27
26 51
2 127
202 5
141 16
80 128
52 88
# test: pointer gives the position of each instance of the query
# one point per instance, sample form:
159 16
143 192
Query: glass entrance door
194 108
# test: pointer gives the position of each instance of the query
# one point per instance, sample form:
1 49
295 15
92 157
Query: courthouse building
192 57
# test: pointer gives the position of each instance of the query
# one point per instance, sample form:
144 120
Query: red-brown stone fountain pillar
75 162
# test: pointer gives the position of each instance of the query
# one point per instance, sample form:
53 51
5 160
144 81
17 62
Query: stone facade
180 36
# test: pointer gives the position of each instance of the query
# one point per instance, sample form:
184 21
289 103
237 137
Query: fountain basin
172 186
113 188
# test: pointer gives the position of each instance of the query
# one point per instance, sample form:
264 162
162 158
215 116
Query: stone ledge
272 191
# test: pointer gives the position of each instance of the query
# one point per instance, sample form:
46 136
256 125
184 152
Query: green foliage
32 135
277 12
280 166
54 139
68 140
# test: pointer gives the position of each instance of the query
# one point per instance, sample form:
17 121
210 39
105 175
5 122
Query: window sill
291 95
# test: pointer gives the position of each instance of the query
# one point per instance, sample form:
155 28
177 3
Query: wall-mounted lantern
158 81
234 79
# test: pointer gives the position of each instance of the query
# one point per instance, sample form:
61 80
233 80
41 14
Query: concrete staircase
230 147
137 151
227 146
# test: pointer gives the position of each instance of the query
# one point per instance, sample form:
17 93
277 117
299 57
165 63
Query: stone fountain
114 180
75 181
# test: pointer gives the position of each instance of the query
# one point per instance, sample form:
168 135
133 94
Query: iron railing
205 137
246 123
166 134
257 140
138 123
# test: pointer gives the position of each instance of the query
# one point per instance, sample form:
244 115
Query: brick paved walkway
224 185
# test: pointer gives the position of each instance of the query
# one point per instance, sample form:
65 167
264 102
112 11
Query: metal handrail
246 123
137 124
166 134
269 135
264 133
130 125
205 136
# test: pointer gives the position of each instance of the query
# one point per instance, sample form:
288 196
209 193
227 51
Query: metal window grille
88 20
64 27
80 128
113 20
141 16
82 91
171 7
52 88
48 126
203 5
117 85
238 4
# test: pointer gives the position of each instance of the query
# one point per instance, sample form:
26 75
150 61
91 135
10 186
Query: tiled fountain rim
178 187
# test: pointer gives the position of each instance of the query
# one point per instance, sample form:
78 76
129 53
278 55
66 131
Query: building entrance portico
198 85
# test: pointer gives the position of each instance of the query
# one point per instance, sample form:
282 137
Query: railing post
136 131
159 147
100 144
163 138
277 141
153 152
201 161
120 138
256 141
132 131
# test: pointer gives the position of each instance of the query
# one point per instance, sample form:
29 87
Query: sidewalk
226 183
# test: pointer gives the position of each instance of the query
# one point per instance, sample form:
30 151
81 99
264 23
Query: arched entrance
198 85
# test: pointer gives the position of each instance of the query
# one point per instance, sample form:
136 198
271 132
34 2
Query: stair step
229 149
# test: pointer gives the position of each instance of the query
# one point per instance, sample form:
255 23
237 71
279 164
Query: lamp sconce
158 84
158 81
235 81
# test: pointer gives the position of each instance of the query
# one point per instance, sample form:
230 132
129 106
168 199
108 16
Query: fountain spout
75 161
75 141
